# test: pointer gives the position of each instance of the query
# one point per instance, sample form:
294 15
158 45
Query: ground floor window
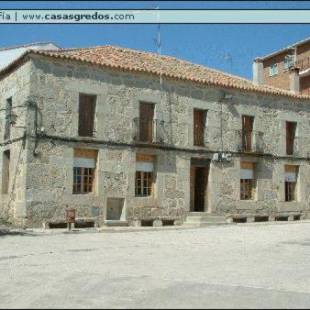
83 180
247 181
290 188
84 171
144 182
247 188
290 182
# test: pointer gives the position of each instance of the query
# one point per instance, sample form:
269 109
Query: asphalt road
237 266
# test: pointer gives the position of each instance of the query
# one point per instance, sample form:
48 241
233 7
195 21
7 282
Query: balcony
297 146
303 64
149 131
251 141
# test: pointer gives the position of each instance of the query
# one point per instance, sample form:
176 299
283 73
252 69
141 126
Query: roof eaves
7 69
251 88
282 50
26 46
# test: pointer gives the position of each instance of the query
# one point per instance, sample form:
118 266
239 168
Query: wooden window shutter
146 121
290 137
87 153
145 157
247 123
291 173
6 172
87 108
247 165
199 126
247 132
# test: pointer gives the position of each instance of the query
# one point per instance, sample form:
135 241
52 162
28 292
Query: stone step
205 215
200 219
115 223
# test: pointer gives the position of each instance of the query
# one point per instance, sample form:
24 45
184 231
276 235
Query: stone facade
41 167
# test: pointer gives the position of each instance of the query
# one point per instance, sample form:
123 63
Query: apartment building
287 68
134 138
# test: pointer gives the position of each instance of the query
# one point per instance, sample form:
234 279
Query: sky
229 48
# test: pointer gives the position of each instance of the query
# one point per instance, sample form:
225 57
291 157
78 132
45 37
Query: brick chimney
258 72
294 80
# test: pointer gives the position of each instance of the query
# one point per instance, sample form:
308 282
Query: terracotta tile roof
137 61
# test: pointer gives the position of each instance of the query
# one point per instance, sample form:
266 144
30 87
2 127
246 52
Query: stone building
130 137
287 68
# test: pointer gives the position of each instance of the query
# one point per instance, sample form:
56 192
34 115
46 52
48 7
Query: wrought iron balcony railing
303 63
297 146
149 131
251 141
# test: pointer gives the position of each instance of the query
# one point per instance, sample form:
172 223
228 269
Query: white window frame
288 61
273 70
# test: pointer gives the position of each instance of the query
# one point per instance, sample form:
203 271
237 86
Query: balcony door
199 126
247 132
290 137
146 122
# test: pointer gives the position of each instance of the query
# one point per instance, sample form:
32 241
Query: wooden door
247 132
87 107
146 122
290 137
198 188
199 126
201 181
192 188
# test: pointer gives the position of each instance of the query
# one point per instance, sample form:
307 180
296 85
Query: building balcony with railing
149 131
158 132
251 142
231 140
302 64
298 147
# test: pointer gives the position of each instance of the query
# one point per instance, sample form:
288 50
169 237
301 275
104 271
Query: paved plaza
245 265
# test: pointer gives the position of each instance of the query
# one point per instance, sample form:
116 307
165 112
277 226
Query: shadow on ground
8 232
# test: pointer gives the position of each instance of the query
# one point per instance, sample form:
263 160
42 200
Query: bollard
70 218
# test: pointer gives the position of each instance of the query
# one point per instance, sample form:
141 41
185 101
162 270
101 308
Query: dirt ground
245 265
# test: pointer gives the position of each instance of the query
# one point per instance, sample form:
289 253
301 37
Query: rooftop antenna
227 57
159 44
158 122
158 41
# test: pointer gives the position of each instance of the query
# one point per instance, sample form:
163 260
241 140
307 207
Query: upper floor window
87 108
247 132
8 114
199 126
273 70
290 137
84 170
288 61
146 122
